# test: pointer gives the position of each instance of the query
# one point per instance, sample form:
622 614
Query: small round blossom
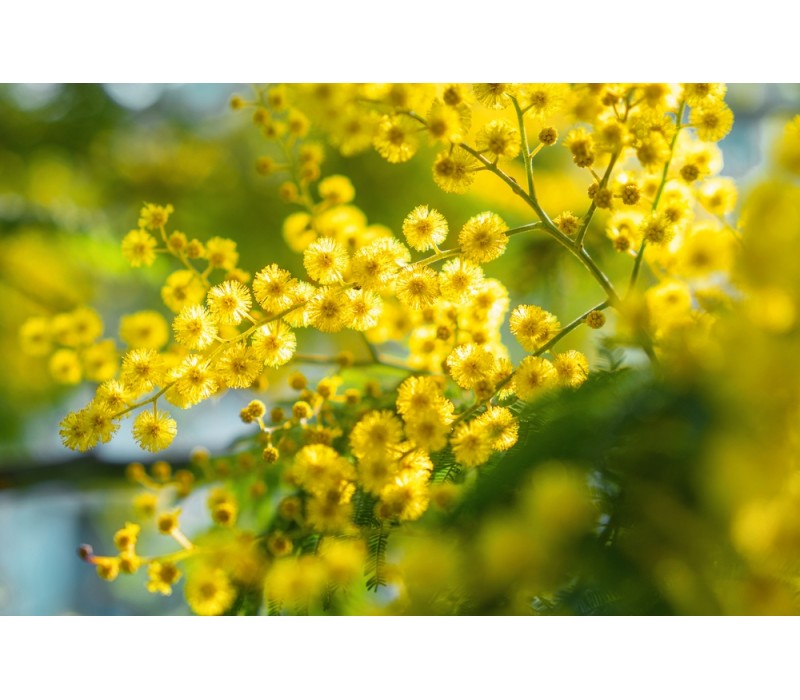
139 248
275 289
142 369
712 120
581 146
126 537
499 139
396 138
107 567
454 94
35 337
209 592
65 366
653 151
194 327
469 364
428 430
572 368
501 426
595 319
320 467
238 366
548 136
87 326
366 307
707 250
100 361
153 216
144 329
543 100
375 433
696 94
336 189
298 231
177 242
302 410
471 443
221 253
532 376
444 123
162 577
100 421
630 193
483 237
532 326
75 432
419 394
182 288
375 266
459 280
417 287
453 171
718 195
279 544
405 498
275 343
154 430
657 229
193 380
229 302
167 523
326 261
114 395
270 454
493 95
330 310
425 228
567 223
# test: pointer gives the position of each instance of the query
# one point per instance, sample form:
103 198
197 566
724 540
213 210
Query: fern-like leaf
445 467
364 509
376 560
610 356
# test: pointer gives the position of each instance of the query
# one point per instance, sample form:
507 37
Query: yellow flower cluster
657 183
356 457
457 314
72 342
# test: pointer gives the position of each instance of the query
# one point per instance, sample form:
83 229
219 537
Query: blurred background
76 164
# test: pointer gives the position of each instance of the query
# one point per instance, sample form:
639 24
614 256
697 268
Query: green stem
373 351
549 227
637 263
526 155
536 226
183 259
376 358
383 360
593 207
566 330
531 200
151 399
452 252
386 361
599 275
